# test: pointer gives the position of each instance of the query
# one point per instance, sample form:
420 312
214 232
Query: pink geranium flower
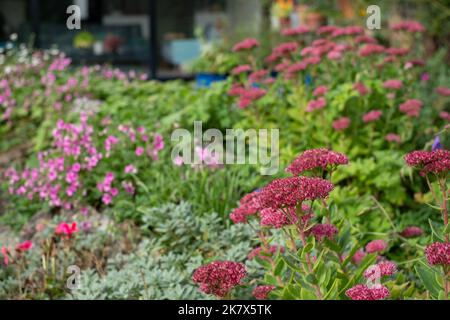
130 169
66 229
139 151
24 246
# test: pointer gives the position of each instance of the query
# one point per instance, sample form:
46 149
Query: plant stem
443 186
308 262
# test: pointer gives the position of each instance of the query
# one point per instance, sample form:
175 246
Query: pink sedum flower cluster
246 44
382 269
288 192
278 218
316 159
438 253
376 246
321 231
341 123
219 277
261 292
363 292
317 104
411 108
248 205
409 26
372 116
411 232
437 161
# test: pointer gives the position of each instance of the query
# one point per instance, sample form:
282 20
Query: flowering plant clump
67 173
313 250
434 166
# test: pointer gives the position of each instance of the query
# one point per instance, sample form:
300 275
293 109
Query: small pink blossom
376 246
66 229
411 232
341 124
318 104
363 292
261 292
358 256
393 84
372 116
320 91
246 44
139 151
392 137
130 169
241 69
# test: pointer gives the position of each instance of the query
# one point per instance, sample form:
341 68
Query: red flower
65 229
436 161
409 26
376 246
392 137
341 123
361 88
219 277
320 91
411 107
444 115
24 246
318 104
278 218
358 256
295 31
438 253
385 268
246 44
372 116
316 158
241 69
248 205
393 84
320 231
443 91
397 51
261 292
363 292
411 232
288 192
285 48
371 49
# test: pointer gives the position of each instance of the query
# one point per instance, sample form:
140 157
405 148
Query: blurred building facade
159 34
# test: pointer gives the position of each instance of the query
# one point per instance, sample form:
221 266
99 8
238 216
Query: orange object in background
346 9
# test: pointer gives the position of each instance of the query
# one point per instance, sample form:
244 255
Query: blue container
204 80
308 80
